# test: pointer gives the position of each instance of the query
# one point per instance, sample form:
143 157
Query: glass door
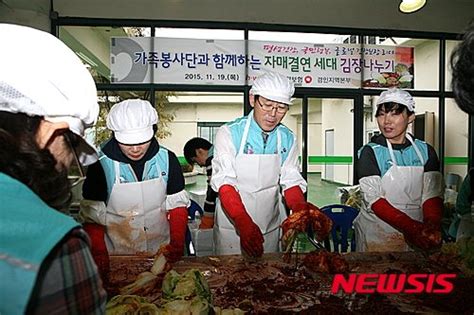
330 149
326 155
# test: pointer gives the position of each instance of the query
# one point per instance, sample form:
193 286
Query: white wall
426 65
423 105
456 137
184 126
337 115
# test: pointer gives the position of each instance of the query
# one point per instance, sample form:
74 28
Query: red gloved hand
433 212
207 222
251 238
99 251
322 224
423 237
294 199
415 232
178 219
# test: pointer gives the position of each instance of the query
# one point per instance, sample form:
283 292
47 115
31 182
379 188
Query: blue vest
404 157
154 168
29 229
255 143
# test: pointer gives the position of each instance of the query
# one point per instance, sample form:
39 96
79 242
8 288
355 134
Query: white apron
136 218
403 187
258 185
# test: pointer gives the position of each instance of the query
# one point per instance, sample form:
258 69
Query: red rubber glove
294 199
99 251
207 222
415 232
178 219
433 212
251 238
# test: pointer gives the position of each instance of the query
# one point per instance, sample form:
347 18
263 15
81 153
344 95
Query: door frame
356 96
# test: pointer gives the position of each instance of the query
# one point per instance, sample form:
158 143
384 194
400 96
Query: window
208 130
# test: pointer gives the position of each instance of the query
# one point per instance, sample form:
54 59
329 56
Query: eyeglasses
280 109
73 141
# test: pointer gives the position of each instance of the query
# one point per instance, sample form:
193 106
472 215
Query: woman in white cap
255 156
45 105
134 197
401 183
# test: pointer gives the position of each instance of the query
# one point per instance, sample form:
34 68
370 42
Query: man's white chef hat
398 96
273 86
41 76
132 121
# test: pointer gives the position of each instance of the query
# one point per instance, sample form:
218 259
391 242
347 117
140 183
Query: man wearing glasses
256 157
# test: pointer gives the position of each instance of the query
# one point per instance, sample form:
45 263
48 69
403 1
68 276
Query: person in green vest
463 208
462 65
47 99
462 83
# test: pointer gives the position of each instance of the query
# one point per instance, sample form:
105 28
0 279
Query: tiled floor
322 193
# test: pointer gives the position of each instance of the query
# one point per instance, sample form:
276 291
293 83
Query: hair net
132 121
273 86
397 96
41 76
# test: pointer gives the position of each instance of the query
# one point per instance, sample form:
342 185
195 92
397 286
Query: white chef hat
132 121
398 96
273 86
41 76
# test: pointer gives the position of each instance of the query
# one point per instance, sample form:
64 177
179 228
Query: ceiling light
410 6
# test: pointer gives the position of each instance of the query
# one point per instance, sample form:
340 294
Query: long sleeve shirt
227 146
68 282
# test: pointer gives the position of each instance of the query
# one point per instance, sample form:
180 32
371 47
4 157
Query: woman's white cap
132 121
273 86
41 76
398 96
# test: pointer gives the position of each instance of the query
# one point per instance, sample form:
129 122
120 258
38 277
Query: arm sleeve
175 176
94 192
223 163
95 184
371 188
176 194
367 164
432 165
68 281
433 184
463 200
211 195
369 177
290 174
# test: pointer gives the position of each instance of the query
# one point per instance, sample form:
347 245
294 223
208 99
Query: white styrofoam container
203 241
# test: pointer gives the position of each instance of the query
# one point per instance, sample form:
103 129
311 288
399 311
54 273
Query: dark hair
462 64
22 159
391 106
192 145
